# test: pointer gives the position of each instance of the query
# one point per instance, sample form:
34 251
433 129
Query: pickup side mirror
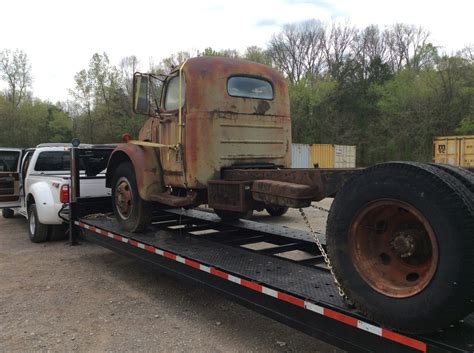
141 93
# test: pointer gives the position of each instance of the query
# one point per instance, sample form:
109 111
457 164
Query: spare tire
400 237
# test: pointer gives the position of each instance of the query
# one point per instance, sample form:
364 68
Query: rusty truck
400 235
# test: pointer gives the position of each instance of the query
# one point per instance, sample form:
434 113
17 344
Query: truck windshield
9 161
249 87
172 93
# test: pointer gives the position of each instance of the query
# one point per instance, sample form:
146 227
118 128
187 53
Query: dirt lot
54 297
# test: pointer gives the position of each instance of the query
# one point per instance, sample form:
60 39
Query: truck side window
172 93
249 87
52 161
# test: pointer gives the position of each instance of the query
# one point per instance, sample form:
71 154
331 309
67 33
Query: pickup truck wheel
132 213
232 215
58 232
7 213
400 237
37 231
276 211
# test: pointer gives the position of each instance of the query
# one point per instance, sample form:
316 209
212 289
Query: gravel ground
54 297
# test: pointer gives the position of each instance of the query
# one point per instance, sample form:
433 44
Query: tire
58 232
423 280
232 215
276 211
37 231
8 213
463 175
132 213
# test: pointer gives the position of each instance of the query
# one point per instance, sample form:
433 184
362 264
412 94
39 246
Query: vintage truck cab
207 115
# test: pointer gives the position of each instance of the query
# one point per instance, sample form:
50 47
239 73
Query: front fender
46 207
146 164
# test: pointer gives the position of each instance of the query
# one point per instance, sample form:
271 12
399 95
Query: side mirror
141 93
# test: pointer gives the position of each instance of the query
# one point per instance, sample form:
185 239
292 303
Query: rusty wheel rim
393 248
123 198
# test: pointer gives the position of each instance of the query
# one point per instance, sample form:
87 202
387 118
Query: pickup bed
35 183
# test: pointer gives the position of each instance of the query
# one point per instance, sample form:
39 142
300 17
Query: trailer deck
248 262
276 271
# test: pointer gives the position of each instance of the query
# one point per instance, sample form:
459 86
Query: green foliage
33 122
387 91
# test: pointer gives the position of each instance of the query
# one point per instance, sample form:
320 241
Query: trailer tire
37 231
131 211
7 213
423 219
276 211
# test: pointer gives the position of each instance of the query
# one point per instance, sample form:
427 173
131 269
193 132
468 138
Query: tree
259 55
15 69
298 50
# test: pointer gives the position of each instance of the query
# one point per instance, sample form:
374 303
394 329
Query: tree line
389 91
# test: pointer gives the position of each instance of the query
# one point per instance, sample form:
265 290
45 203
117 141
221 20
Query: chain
320 208
321 249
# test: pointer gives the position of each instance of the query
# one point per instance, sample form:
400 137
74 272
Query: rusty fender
146 164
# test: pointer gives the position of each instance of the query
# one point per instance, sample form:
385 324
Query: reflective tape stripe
348 320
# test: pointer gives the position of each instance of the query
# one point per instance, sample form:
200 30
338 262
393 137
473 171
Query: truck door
171 131
10 177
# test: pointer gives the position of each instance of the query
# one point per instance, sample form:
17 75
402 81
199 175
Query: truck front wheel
132 213
37 231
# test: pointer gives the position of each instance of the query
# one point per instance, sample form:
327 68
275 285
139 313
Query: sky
60 37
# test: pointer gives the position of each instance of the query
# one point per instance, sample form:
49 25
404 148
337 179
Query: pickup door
10 177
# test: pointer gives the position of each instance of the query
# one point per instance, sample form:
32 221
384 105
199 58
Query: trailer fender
146 164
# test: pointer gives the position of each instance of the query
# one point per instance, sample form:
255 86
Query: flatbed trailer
197 246
250 263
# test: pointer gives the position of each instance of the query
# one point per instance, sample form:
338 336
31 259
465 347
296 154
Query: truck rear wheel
401 240
276 211
37 231
132 213
7 213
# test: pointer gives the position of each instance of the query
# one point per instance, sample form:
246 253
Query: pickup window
249 87
9 161
52 160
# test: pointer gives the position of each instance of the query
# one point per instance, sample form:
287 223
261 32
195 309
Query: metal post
74 193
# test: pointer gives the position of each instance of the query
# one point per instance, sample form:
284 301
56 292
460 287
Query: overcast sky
60 37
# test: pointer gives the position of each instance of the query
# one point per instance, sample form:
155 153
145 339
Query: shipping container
344 156
300 156
454 150
333 156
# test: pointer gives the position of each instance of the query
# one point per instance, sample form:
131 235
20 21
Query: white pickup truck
35 183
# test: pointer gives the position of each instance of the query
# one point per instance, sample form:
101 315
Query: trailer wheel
401 240
232 215
276 211
37 231
132 213
7 213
